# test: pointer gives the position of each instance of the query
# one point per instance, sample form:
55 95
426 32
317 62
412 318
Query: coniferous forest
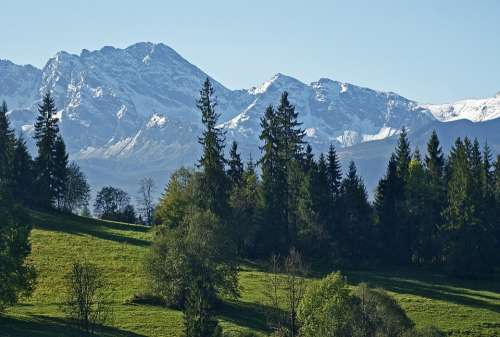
298 209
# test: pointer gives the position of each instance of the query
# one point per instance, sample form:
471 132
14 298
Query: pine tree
46 132
467 242
60 171
356 229
313 210
290 149
7 140
235 171
334 172
389 206
22 179
213 180
421 227
272 234
434 171
403 155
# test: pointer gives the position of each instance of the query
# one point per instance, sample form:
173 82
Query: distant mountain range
129 113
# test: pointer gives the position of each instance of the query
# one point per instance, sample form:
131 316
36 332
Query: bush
86 299
378 314
17 277
327 308
330 309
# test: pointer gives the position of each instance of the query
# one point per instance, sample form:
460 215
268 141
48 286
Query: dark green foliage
114 204
391 205
46 135
6 146
314 202
435 202
334 172
213 180
76 190
282 170
22 174
60 172
467 238
235 171
355 231
17 276
245 207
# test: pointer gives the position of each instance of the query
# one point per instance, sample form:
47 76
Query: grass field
461 308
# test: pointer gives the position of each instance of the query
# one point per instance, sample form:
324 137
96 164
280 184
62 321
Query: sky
430 51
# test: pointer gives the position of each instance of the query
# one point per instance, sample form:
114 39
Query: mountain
475 110
133 111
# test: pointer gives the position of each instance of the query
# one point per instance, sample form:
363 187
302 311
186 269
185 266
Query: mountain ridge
137 104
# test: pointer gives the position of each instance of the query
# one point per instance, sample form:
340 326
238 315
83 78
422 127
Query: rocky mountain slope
133 110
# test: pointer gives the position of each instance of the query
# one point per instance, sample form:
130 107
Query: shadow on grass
42 326
76 225
249 315
452 291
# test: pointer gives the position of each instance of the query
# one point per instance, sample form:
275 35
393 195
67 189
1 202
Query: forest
292 209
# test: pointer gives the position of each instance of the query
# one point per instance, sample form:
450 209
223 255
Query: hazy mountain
129 113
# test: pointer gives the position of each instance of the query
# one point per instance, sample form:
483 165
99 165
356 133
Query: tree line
427 212
434 210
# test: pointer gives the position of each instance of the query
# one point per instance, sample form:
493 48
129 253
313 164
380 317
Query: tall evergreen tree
46 133
235 171
22 178
60 171
213 180
313 210
290 149
6 146
356 229
434 171
467 243
334 172
421 227
273 232
389 205
403 155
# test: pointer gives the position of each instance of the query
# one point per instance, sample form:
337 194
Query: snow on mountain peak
475 110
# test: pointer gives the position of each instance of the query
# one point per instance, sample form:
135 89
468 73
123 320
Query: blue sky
431 51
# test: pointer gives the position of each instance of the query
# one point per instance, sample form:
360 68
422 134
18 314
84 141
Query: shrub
86 299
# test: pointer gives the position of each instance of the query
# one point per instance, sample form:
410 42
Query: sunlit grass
461 308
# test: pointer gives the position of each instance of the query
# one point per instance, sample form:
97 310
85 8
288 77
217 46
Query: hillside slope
461 308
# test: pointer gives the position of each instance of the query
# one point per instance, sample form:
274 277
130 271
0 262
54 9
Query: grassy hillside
460 308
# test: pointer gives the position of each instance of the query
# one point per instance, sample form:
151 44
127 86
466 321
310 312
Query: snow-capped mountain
133 111
475 110
331 112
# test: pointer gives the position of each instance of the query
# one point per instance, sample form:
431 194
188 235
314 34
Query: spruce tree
355 232
290 149
273 235
389 206
467 244
213 179
434 171
22 178
235 171
6 146
421 228
403 155
334 172
60 171
46 132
